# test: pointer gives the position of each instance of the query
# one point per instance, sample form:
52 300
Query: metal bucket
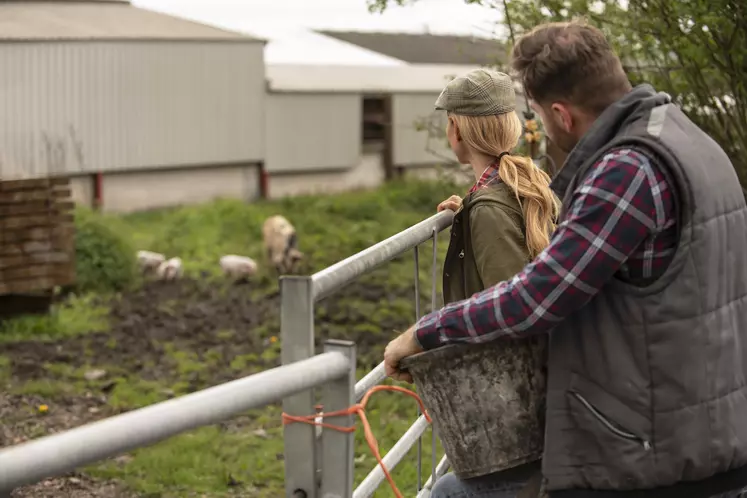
487 402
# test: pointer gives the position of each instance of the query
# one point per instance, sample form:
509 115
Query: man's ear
563 116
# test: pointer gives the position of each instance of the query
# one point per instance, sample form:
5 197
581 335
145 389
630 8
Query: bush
105 260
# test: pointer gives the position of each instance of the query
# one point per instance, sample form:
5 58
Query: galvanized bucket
487 402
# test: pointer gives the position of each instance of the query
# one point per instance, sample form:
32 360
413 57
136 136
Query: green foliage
692 50
104 258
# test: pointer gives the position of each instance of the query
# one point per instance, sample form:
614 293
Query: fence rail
304 468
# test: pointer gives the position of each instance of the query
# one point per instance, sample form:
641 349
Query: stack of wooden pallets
37 245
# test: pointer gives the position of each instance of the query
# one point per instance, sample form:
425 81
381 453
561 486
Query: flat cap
481 92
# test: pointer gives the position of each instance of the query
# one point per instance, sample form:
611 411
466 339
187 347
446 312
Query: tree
692 49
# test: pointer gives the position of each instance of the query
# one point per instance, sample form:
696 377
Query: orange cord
359 409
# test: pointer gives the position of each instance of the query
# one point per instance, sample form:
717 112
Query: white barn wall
81 107
368 172
125 192
312 131
411 145
314 144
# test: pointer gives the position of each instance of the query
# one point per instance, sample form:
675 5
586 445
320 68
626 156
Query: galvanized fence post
297 336
338 447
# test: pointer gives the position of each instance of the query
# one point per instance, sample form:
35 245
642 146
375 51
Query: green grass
78 315
329 228
236 460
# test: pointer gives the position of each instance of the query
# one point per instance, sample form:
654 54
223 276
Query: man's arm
615 209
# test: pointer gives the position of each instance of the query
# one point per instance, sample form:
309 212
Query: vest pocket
605 415
609 425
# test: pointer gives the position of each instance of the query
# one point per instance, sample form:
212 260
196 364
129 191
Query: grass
243 457
77 316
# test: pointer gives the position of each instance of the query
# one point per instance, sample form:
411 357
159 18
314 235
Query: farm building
339 126
139 109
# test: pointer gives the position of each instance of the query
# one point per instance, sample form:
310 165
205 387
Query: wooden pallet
37 244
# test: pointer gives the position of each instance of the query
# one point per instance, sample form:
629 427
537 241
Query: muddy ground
216 326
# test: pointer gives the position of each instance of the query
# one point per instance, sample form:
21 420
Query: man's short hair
571 62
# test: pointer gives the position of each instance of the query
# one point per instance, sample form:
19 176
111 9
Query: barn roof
100 20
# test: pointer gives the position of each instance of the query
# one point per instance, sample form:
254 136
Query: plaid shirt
620 224
490 175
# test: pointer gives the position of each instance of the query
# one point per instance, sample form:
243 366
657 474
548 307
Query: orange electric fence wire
359 409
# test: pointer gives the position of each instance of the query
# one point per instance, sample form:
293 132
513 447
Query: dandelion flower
43 408
273 339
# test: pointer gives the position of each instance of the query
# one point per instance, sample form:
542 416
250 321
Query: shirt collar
487 176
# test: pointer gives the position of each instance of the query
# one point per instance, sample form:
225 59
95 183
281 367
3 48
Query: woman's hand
454 203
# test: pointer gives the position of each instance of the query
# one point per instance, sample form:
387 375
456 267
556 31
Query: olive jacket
487 245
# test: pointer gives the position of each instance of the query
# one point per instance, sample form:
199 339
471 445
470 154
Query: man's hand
454 203
403 346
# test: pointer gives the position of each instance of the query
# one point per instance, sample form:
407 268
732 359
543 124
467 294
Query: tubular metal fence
303 468
307 451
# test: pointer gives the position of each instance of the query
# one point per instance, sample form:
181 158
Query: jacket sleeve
498 243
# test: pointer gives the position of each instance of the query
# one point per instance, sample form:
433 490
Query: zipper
619 432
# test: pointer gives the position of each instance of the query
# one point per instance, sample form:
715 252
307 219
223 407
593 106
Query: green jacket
487 244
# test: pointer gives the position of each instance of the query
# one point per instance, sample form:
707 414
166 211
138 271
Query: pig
238 267
149 261
280 242
170 269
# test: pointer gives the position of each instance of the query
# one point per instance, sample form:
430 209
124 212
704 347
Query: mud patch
73 486
184 315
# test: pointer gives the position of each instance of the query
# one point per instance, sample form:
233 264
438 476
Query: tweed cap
480 92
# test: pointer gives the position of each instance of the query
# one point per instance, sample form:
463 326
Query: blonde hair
492 135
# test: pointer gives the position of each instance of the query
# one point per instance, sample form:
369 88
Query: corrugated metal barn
337 127
140 109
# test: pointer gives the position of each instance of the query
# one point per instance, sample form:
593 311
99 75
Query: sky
287 24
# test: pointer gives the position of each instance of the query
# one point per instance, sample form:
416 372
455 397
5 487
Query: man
643 288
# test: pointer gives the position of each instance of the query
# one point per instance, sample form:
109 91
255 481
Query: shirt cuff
427 334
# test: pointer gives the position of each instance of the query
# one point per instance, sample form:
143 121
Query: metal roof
100 20
408 78
426 48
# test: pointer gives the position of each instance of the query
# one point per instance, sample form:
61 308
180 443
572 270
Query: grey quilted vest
647 386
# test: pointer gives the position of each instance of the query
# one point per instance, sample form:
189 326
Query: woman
504 222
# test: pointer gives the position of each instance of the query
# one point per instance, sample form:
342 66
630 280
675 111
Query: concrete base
144 190
369 173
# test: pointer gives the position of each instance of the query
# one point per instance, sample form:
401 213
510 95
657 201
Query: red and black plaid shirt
621 223
489 175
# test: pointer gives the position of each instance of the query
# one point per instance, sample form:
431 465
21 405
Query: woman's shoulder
498 196
502 212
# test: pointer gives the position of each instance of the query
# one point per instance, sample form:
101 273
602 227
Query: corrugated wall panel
307 132
83 107
413 146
